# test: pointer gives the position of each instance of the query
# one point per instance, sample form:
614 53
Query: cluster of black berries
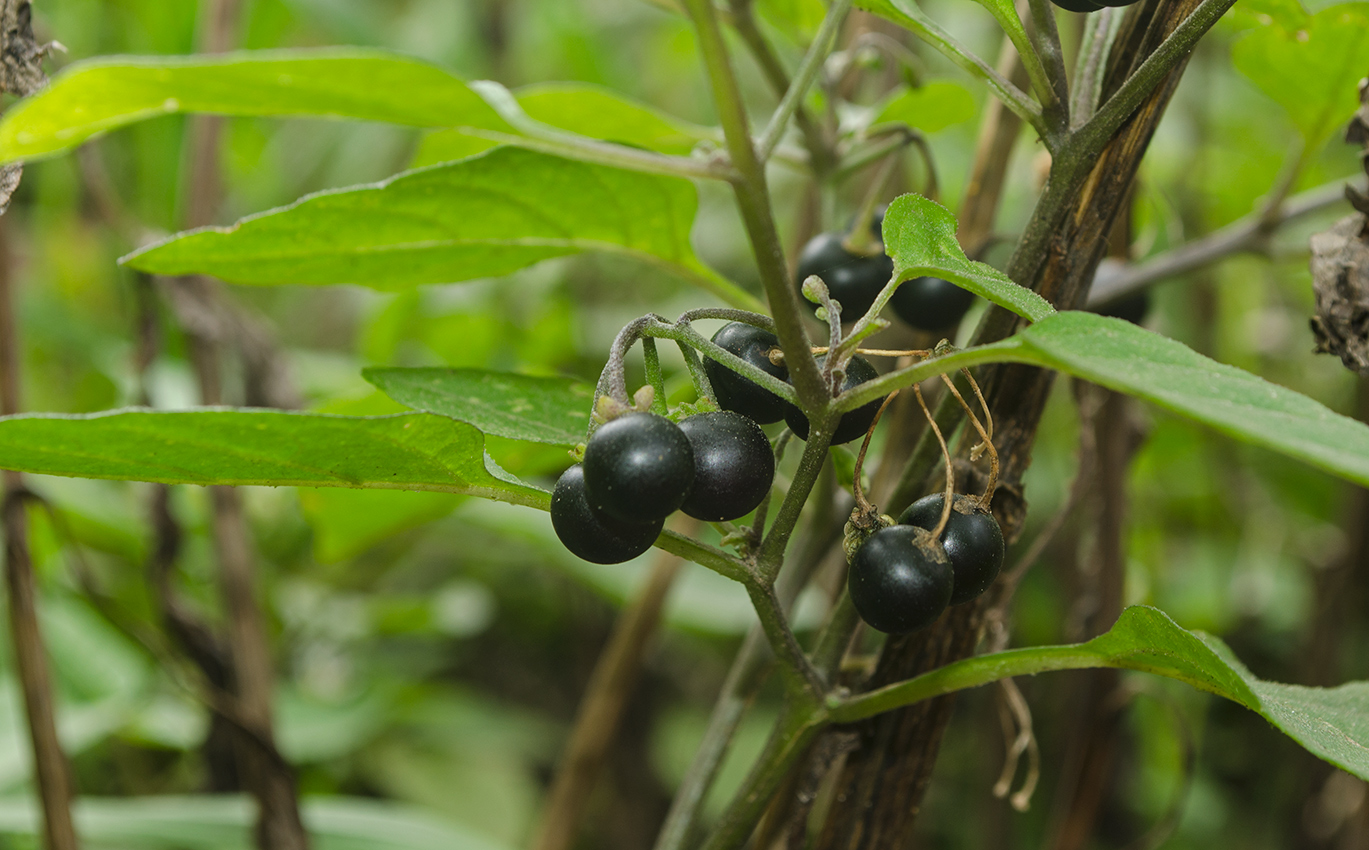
901 579
855 281
640 467
1089 5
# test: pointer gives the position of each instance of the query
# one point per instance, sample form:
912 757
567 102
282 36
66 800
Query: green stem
835 637
788 742
801 680
771 555
968 673
1042 84
547 139
808 71
912 17
703 387
687 335
1088 141
753 200
652 358
1045 39
1010 350
706 556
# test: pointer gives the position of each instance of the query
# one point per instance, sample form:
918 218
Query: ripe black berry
972 540
900 580
638 468
853 280
734 466
740 394
851 425
930 303
589 534
1077 5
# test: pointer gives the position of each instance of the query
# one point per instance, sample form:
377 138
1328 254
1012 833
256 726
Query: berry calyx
638 468
741 394
734 466
588 534
852 425
900 580
853 280
972 540
930 303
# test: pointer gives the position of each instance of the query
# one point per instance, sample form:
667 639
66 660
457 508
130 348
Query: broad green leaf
1310 71
224 822
253 446
481 217
1123 357
504 404
1332 723
920 237
928 108
1289 14
589 110
96 96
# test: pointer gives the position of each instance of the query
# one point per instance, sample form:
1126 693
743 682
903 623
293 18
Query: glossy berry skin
972 541
930 303
588 534
638 468
740 394
853 280
896 585
852 425
1077 5
734 466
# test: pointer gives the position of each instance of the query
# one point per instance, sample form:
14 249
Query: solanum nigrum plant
513 178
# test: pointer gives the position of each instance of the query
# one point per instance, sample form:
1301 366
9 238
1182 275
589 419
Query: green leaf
928 108
920 237
1310 71
588 110
94 97
797 19
253 446
503 404
1331 723
481 217
1123 357
223 822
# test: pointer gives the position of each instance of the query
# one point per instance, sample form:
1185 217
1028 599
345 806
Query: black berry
851 425
900 580
1077 5
972 540
638 468
930 303
589 534
734 466
851 279
741 394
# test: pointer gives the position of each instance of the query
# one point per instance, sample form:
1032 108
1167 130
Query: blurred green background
431 651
